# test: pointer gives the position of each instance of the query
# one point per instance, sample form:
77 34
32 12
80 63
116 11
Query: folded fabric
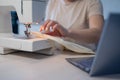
67 44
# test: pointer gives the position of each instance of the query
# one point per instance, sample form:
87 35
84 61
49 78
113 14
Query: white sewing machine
27 11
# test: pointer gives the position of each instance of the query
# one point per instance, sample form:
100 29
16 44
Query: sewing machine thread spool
14 19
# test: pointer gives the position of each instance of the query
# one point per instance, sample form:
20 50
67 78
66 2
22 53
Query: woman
78 20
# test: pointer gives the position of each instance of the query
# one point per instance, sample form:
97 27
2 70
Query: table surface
34 66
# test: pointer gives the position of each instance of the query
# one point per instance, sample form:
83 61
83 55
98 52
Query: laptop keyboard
82 63
87 62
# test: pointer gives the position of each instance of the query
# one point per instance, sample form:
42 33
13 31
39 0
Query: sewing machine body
27 11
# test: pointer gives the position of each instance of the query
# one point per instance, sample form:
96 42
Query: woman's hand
53 28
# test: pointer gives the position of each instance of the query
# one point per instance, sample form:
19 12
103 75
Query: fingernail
51 30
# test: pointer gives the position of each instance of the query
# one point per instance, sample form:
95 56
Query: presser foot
27 31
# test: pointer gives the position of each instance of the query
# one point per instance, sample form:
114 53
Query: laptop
107 56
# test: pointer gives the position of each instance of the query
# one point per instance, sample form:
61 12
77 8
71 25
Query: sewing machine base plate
31 45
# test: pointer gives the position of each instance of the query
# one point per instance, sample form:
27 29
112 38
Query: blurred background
110 6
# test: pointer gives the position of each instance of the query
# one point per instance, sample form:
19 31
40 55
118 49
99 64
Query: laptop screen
108 52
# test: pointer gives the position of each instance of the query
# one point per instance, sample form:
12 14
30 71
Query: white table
33 66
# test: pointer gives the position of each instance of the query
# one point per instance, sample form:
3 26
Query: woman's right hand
53 28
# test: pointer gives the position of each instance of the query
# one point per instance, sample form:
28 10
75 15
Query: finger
50 25
52 31
55 27
56 30
42 27
46 22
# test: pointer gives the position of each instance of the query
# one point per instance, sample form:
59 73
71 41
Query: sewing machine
27 11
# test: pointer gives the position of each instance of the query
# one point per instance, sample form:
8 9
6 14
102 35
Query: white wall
110 6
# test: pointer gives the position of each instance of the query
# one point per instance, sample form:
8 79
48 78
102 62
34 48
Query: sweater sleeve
95 7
